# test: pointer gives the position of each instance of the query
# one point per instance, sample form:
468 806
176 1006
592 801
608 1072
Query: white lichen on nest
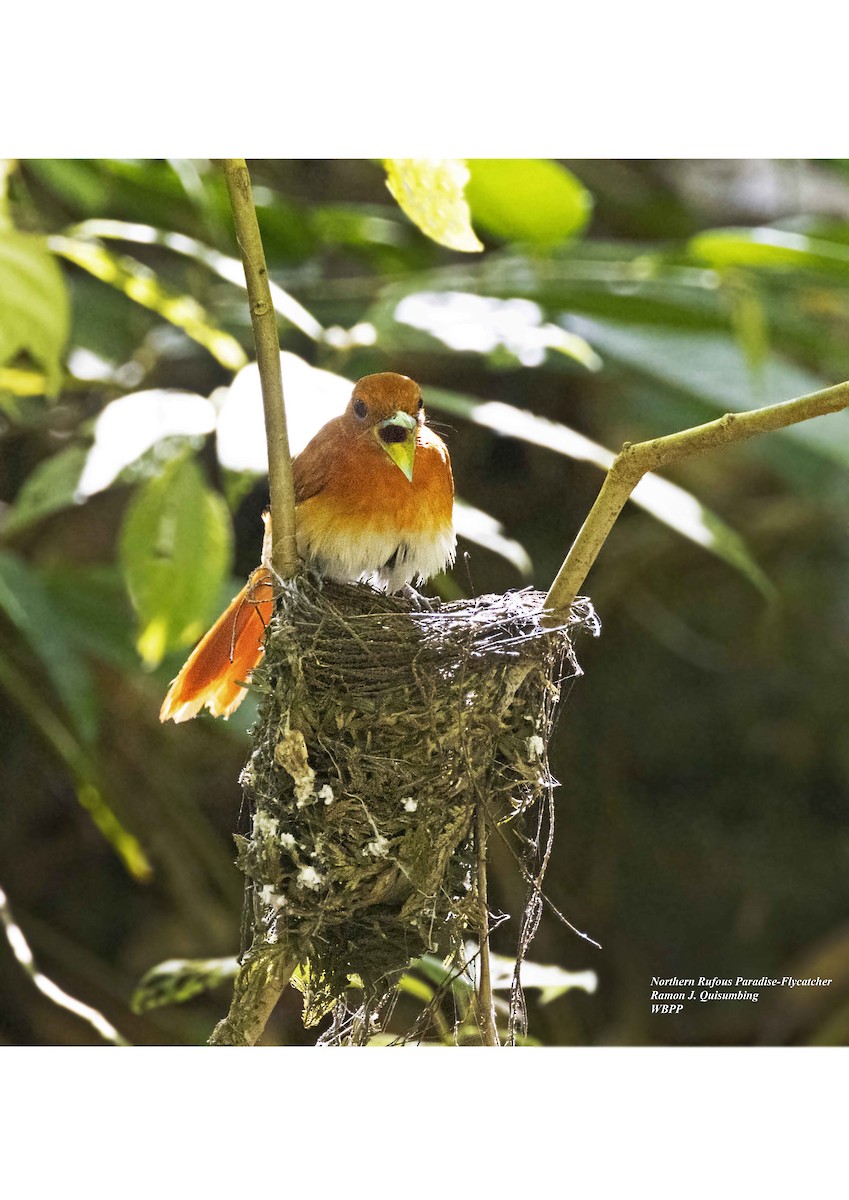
379 729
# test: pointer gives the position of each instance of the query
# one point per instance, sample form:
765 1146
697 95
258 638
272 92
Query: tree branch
638 459
284 554
262 978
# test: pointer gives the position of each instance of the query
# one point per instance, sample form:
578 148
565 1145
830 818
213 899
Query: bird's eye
360 408
421 404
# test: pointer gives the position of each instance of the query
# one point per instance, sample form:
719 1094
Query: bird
374 497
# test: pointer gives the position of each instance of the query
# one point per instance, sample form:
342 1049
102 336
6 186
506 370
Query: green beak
397 436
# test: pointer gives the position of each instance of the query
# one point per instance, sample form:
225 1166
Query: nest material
381 728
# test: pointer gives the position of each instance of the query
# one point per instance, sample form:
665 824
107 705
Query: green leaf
486 325
175 550
34 306
142 284
770 249
28 607
180 979
530 200
222 265
665 501
430 192
711 368
51 487
95 610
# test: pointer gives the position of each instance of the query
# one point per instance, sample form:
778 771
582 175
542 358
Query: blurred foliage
702 816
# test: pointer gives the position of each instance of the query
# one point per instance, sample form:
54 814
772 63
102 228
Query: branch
259 984
637 460
284 554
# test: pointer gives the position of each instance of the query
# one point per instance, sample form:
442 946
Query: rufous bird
374 499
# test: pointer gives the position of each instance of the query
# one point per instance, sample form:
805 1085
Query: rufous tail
220 664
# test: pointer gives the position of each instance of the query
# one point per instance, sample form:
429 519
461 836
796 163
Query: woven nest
381 729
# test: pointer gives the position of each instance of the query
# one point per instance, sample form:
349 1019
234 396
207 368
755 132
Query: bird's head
389 408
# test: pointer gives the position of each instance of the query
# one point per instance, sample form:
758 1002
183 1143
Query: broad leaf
770 249
181 979
51 487
430 192
28 607
530 200
222 265
34 307
142 284
486 325
711 368
175 551
130 426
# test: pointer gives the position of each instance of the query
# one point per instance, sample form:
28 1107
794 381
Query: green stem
284 554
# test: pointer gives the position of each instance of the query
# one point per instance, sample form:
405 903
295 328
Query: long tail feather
220 664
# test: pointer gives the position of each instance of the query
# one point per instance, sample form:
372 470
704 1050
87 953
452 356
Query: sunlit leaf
27 606
51 487
551 981
666 501
131 425
484 324
531 200
430 192
770 249
482 529
22 383
180 979
34 307
222 265
175 550
141 284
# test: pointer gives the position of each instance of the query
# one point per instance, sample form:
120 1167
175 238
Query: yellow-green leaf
530 200
175 553
431 192
34 307
141 284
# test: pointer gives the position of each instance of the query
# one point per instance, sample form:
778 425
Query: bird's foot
419 602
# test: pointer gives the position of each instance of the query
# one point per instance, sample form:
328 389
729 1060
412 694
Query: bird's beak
397 436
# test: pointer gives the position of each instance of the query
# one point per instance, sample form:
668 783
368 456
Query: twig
284 554
263 974
20 949
635 461
259 984
485 1004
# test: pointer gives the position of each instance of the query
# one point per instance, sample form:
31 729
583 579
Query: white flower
379 847
410 805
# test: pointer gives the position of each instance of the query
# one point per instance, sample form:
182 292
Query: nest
382 727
